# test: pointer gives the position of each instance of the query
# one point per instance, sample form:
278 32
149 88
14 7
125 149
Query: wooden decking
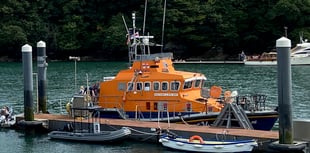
256 134
208 62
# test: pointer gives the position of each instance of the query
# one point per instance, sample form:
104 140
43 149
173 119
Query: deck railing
255 102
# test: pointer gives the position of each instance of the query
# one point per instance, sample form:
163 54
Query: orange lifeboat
151 86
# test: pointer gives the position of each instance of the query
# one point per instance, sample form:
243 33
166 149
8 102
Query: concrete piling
42 66
284 91
29 124
286 141
28 82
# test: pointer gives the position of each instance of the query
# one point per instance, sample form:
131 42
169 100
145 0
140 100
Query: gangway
232 116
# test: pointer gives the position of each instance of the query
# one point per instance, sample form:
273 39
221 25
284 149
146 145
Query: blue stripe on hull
265 123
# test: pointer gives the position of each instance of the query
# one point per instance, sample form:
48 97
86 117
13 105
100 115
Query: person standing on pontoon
5 114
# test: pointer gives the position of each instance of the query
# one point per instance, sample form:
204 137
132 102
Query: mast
134 40
143 30
163 28
132 47
144 19
134 32
130 52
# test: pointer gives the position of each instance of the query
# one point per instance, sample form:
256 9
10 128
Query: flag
131 36
136 35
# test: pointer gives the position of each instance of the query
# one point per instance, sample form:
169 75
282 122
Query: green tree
192 27
186 27
14 27
12 38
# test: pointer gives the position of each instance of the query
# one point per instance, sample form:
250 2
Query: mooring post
286 141
28 82
284 91
42 66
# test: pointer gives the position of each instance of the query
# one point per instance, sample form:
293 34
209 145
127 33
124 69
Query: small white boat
101 136
197 144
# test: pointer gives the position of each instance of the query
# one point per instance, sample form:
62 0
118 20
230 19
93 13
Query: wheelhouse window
204 83
174 85
139 86
197 83
187 85
130 86
122 86
147 86
164 86
156 86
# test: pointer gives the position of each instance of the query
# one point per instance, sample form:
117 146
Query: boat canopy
196 78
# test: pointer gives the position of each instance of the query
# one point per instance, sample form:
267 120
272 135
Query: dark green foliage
193 28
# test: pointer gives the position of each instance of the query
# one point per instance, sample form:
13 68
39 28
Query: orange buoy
196 137
215 92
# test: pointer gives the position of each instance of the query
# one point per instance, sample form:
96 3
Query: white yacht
300 55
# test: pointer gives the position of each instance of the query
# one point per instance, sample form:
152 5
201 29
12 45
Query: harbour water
61 87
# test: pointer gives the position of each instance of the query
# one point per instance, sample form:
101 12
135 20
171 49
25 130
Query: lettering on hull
166 94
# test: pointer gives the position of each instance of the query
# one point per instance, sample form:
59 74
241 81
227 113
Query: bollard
28 82
42 66
286 141
284 91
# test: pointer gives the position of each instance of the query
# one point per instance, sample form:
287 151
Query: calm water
60 76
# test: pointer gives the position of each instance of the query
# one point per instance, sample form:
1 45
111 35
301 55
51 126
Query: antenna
301 34
130 52
285 31
125 25
163 28
75 58
145 7
144 19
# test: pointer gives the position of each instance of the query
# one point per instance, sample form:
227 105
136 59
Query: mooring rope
141 132
183 120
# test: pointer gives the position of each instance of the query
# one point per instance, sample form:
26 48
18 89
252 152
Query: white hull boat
300 55
197 144
294 61
102 136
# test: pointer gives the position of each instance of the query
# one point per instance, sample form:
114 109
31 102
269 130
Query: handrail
138 111
252 102
154 56
139 114
61 104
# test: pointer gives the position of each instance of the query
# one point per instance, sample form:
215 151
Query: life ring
196 137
